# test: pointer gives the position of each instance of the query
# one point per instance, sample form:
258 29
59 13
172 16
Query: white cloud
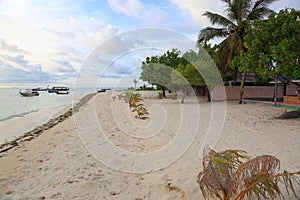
147 14
54 35
127 7
195 10
55 38
17 62
18 70
10 48
279 5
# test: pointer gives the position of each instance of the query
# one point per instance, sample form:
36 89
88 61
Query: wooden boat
29 92
62 92
41 89
103 90
59 90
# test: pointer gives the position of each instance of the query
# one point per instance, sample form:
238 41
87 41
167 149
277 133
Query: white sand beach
104 152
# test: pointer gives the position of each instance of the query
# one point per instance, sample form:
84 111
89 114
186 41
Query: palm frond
289 180
226 50
245 7
249 169
210 33
225 175
237 9
219 19
226 1
215 179
260 9
229 9
259 177
267 186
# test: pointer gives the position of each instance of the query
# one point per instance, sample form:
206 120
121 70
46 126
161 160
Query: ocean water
20 114
12 104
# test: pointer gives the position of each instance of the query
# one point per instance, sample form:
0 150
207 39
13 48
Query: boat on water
59 90
62 92
41 89
28 92
103 90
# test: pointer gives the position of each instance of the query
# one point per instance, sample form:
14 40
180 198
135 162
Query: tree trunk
184 93
275 91
242 87
235 77
209 89
203 91
164 91
208 97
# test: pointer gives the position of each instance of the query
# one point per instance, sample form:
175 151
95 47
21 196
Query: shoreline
20 124
59 117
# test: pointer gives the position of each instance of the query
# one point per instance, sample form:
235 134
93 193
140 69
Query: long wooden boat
62 92
28 92
59 90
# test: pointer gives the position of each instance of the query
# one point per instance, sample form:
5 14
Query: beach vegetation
181 73
232 174
135 102
160 95
240 15
135 82
273 49
125 95
157 69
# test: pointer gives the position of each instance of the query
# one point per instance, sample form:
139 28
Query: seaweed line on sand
12 145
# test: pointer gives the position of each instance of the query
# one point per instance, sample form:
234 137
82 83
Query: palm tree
231 174
240 15
135 82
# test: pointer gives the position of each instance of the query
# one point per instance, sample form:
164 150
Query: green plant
126 95
135 103
231 174
160 95
134 99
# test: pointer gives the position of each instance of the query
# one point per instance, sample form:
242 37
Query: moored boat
62 92
59 90
28 92
103 90
41 89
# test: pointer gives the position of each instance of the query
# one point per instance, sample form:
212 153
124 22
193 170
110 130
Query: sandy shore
104 152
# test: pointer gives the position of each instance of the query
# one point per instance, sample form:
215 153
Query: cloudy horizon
47 42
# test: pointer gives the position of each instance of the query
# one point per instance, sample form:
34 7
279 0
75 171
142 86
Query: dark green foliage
177 72
273 46
157 69
239 16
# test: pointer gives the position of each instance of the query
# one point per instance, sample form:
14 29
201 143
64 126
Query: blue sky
50 42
